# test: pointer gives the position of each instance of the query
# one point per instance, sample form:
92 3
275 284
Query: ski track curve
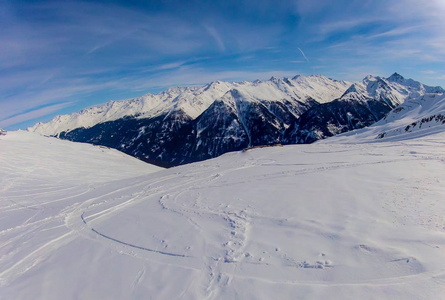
220 271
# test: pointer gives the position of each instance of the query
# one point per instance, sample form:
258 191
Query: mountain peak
369 78
274 79
396 77
215 82
354 88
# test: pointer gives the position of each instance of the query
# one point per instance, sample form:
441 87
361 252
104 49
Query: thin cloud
441 77
56 52
399 31
169 66
16 110
34 114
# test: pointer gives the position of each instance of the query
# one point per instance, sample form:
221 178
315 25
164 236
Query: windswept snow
320 221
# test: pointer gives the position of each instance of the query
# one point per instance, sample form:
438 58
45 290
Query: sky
58 57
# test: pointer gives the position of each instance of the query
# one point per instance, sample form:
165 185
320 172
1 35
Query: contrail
212 31
304 55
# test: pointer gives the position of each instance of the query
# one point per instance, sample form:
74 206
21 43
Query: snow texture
319 221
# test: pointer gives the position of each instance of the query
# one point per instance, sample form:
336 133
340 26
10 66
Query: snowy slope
193 101
393 90
416 117
319 221
80 163
363 104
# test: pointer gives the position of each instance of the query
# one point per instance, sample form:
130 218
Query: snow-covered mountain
416 117
193 101
362 104
318 221
184 125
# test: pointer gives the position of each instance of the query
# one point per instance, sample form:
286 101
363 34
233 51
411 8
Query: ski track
291 173
216 279
217 276
221 270
217 270
34 258
38 255
235 221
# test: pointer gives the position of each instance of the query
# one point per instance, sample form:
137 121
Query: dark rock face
218 130
154 140
328 119
176 139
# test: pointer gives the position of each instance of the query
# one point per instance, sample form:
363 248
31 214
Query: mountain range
355 216
188 124
349 217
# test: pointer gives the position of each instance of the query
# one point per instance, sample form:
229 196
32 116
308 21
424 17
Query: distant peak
318 77
396 77
276 80
217 84
354 88
213 84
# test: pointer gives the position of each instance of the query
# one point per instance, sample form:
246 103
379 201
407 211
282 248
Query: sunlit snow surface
320 221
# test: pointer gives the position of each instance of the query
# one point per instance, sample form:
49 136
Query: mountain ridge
193 100
415 117
183 125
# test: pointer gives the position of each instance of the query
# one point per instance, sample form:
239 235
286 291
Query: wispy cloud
56 52
216 36
428 72
32 115
399 31
335 26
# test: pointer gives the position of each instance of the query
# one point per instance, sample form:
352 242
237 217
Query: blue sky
58 57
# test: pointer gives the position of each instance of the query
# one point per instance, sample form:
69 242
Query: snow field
320 221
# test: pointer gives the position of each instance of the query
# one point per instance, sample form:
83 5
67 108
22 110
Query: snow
300 88
393 90
414 118
319 221
193 101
